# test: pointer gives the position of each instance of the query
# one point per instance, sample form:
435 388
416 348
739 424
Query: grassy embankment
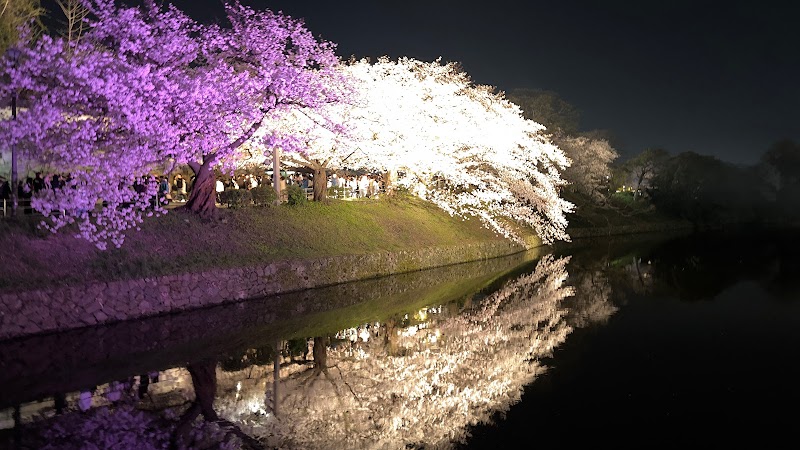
180 242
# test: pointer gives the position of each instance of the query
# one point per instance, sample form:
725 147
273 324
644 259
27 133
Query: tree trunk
639 181
390 338
276 174
14 174
276 377
389 179
203 198
204 380
320 184
320 354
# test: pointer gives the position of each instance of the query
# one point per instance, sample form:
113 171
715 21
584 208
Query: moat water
645 340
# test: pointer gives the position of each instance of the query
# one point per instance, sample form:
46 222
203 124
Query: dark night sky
718 78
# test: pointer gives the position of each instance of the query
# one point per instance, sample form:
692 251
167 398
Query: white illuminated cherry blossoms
460 145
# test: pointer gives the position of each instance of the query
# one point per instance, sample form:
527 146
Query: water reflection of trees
417 380
700 267
423 379
30 371
412 380
592 301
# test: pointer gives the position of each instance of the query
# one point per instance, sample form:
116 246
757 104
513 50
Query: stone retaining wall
58 309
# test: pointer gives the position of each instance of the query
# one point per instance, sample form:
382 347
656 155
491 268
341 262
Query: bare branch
76 14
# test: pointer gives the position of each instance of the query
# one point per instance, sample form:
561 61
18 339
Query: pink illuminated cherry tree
91 112
266 63
148 88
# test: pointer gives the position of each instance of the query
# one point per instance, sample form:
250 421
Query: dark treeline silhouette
710 192
700 188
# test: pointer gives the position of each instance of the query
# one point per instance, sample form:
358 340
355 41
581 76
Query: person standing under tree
5 189
180 188
220 188
163 191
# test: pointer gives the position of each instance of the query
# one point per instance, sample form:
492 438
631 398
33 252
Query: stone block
98 316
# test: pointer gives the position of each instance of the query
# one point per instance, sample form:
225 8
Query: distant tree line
700 188
711 192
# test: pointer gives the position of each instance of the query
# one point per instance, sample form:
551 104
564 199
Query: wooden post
276 173
14 174
276 376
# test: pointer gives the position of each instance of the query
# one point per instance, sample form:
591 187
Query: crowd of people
347 186
362 186
28 187
176 188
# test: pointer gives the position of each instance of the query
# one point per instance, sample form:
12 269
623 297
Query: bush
296 195
236 198
263 195
337 192
622 198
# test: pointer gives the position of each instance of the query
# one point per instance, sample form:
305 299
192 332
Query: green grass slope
180 242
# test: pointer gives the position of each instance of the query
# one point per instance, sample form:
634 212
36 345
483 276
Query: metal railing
23 207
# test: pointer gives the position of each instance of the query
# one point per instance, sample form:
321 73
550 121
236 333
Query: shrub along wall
58 309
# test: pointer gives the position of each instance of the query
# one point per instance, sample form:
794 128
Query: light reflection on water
417 378
592 338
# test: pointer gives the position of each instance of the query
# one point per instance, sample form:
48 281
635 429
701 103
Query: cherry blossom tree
460 145
590 171
314 138
148 86
466 147
279 66
91 111
590 152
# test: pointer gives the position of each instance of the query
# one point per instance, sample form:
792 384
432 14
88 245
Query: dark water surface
638 341
703 351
